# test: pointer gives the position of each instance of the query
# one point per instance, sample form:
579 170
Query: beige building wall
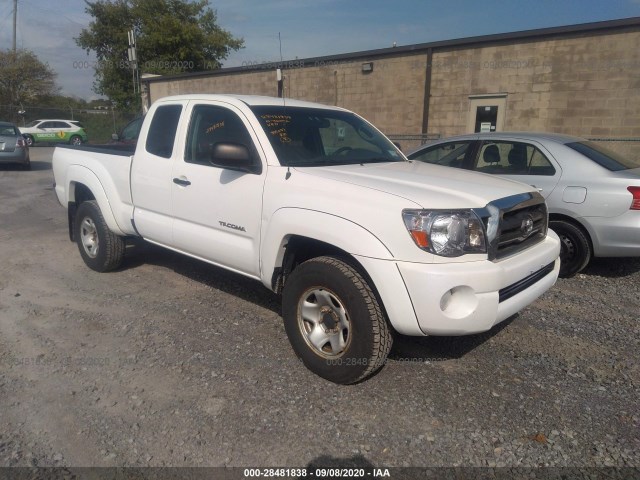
585 84
391 96
248 83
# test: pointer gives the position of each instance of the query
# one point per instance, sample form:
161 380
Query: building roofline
418 48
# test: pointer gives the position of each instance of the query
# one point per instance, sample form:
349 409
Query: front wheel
575 249
334 322
29 140
100 248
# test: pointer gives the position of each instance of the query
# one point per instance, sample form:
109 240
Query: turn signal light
635 191
420 237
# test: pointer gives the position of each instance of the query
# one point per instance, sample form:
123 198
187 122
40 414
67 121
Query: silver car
593 194
13 147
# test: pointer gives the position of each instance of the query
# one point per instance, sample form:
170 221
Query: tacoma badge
232 226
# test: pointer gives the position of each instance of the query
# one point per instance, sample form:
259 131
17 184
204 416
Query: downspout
427 91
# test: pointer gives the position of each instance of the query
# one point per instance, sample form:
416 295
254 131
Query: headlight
449 233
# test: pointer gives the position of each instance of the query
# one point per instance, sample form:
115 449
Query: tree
23 77
172 36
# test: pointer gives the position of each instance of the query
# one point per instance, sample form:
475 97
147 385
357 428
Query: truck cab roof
250 100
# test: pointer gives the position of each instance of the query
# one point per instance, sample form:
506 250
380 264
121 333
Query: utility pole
15 21
133 59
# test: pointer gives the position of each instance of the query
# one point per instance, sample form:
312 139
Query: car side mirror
114 136
233 156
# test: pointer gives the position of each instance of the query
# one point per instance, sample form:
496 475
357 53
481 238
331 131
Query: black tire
100 248
347 312
575 248
29 140
75 140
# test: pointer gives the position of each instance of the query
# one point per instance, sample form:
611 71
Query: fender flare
77 174
325 227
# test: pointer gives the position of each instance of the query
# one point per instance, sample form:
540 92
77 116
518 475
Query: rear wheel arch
78 193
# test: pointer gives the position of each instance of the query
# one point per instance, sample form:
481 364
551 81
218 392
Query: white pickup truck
318 205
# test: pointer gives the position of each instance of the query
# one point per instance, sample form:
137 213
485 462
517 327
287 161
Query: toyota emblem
526 227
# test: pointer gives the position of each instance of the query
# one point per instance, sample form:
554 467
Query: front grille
514 223
521 228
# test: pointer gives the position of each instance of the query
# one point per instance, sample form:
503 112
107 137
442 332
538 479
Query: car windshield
310 137
33 124
603 156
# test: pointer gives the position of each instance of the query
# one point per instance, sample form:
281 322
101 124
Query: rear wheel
75 140
100 248
334 322
575 249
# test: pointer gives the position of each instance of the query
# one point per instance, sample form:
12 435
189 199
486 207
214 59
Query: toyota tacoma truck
318 205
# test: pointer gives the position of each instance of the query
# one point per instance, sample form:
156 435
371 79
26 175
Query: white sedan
593 194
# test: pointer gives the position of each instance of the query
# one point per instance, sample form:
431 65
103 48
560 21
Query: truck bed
104 170
109 148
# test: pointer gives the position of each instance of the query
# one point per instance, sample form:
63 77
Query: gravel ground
171 362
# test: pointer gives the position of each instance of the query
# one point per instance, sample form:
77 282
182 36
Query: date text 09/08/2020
316 472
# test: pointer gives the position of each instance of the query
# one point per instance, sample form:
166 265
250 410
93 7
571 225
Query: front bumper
466 297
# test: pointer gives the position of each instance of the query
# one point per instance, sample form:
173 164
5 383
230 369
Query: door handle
183 182
538 188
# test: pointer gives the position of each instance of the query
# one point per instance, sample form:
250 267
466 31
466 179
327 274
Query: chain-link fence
629 148
410 142
99 124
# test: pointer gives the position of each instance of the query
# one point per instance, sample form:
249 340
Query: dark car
130 133
13 147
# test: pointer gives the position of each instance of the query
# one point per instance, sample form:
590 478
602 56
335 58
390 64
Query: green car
54 131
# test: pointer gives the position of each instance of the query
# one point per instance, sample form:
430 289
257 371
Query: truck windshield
311 137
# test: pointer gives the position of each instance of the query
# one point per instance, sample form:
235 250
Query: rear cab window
162 131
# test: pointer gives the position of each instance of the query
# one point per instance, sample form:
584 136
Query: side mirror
233 156
114 136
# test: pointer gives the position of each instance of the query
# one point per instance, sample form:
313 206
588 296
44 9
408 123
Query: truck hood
430 186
